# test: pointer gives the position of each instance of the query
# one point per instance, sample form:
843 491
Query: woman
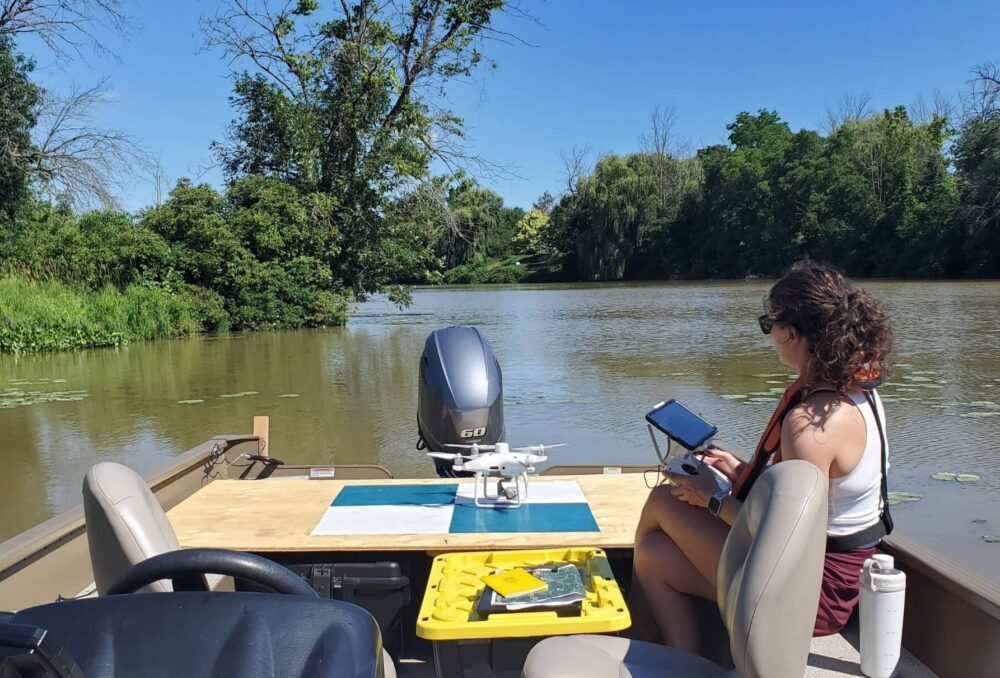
838 340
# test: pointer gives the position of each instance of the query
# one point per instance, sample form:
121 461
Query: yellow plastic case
448 610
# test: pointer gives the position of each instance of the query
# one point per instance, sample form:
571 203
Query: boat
952 615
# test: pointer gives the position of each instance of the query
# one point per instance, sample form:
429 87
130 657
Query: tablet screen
681 424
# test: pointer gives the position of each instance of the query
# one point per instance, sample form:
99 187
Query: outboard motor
460 396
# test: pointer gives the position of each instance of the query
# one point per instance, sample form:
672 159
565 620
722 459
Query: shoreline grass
49 315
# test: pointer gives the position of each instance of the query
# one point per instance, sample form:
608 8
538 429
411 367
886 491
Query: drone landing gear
507 495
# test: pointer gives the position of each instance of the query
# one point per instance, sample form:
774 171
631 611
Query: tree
78 160
531 231
977 159
345 105
65 26
18 115
616 207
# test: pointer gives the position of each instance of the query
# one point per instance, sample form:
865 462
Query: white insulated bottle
883 591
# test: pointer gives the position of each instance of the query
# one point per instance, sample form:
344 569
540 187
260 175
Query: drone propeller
447 456
540 449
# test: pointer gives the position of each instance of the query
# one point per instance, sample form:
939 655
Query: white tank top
855 500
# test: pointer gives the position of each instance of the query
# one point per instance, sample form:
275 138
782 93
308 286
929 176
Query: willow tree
616 209
345 101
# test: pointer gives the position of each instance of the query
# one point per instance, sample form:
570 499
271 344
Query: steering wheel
188 562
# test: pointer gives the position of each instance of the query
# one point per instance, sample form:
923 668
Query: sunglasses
766 323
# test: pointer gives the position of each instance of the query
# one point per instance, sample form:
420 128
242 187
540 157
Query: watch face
715 503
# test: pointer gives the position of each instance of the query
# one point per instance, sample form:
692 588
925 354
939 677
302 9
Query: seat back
208 634
125 523
771 568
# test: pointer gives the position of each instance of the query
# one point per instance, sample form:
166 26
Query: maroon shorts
839 592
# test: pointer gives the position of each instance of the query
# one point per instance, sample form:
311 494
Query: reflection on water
581 363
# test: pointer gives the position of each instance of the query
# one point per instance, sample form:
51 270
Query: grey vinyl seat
768 592
125 524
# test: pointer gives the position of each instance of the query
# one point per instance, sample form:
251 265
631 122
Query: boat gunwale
20 551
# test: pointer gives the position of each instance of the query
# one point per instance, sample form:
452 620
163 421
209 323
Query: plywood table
278 515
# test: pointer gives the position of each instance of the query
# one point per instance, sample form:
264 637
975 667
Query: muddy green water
581 365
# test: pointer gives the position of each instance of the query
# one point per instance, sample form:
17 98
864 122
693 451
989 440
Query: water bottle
883 591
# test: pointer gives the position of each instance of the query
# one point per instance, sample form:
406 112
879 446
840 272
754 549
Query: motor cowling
460 393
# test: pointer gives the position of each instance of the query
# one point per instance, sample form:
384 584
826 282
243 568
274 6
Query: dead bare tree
67 27
849 108
75 159
922 111
983 100
160 180
576 166
659 144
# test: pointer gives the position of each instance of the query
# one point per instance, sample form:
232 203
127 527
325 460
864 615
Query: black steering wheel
185 563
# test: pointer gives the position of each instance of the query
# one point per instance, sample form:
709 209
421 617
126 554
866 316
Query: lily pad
288 395
192 401
968 478
943 475
899 497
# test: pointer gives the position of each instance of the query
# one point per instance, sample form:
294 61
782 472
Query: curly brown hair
848 330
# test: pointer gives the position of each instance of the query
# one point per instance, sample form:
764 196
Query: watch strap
715 502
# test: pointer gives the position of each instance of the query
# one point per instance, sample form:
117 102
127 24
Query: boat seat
199 634
768 592
125 523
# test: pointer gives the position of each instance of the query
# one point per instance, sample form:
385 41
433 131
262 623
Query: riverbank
53 316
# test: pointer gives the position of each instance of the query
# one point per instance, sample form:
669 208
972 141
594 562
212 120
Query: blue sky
591 76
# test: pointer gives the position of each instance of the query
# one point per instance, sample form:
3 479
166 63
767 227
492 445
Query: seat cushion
205 635
607 657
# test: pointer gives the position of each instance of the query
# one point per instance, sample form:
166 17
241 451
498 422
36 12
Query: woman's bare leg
677 554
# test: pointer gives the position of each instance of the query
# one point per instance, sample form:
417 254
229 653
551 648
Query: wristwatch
715 502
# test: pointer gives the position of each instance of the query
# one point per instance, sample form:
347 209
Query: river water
581 365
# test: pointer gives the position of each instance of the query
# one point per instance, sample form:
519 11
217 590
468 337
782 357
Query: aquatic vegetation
15 397
900 497
535 398
960 477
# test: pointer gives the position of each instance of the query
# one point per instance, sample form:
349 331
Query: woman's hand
694 489
722 461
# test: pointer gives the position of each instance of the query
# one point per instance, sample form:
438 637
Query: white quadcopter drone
502 462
